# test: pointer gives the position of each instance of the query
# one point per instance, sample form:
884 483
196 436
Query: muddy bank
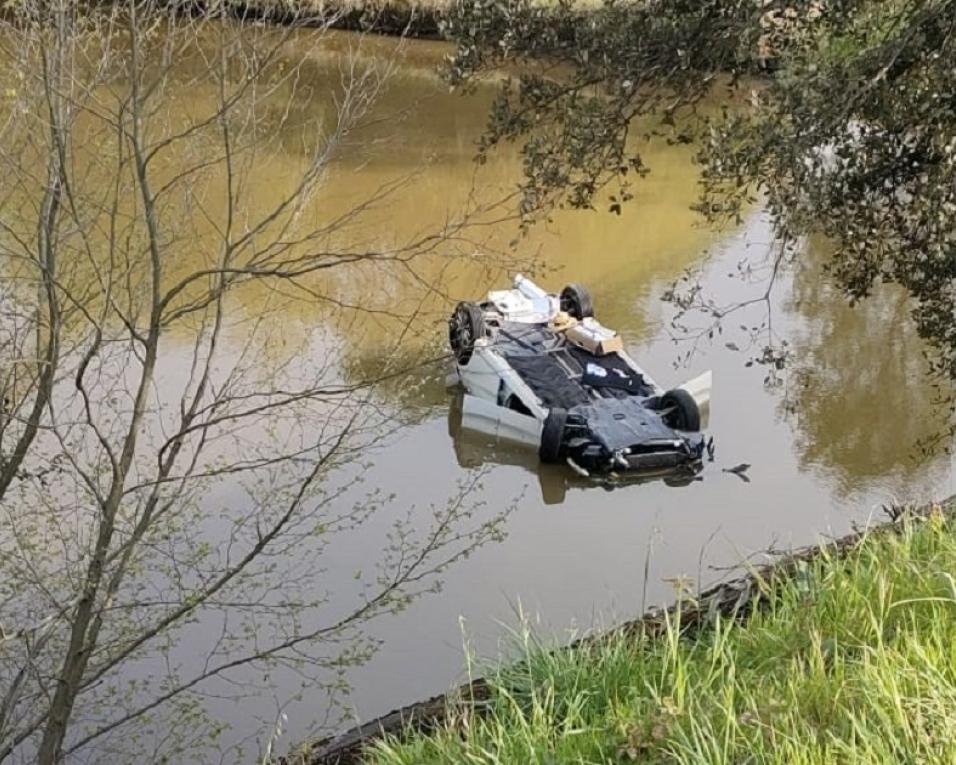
734 598
384 17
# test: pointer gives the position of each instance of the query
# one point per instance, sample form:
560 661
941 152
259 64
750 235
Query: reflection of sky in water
826 448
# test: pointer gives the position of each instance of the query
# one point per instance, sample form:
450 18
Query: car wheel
552 436
682 412
576 300
466 325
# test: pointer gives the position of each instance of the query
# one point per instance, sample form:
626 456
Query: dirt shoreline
734 598
392 19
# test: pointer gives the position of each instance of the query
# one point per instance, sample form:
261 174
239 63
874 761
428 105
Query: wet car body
473 449
598 411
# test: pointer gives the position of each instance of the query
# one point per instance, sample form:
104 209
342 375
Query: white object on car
527 303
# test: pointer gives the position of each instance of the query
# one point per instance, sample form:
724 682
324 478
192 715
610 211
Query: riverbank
849 657
417 19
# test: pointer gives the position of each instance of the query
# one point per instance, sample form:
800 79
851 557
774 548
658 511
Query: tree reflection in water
859 393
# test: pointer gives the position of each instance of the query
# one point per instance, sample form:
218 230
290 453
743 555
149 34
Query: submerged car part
475 444
540 370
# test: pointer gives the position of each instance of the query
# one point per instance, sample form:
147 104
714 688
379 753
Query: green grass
853 661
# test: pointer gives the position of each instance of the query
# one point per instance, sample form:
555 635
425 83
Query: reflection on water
859 396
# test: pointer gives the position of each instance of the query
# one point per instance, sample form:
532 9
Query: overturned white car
538 369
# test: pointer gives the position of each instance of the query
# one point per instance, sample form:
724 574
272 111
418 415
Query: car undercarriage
538 369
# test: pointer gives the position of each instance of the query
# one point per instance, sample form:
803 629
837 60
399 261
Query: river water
830 438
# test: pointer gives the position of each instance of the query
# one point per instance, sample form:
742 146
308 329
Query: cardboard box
562 321
591 336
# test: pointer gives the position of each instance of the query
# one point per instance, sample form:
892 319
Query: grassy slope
854 662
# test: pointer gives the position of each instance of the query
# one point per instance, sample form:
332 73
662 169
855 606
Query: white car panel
487 417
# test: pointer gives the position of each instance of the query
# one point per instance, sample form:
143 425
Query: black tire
684 414
552 436
576 300
466 325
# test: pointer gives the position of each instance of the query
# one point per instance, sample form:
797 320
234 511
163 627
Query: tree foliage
165 508
848 128
586 74
854 137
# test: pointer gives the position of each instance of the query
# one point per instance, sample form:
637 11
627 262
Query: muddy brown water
831 441
829 438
